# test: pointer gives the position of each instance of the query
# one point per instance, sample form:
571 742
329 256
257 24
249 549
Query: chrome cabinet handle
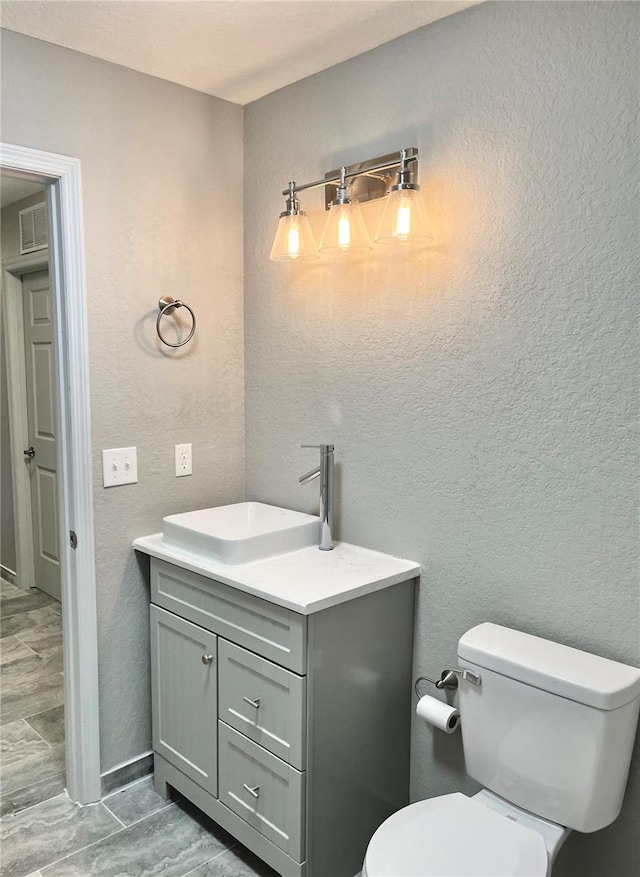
254 703
207 659
30 453
255 791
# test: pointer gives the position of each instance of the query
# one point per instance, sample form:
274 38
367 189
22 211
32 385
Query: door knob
30 453
207 659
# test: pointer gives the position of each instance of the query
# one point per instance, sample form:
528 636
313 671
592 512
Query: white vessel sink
241 532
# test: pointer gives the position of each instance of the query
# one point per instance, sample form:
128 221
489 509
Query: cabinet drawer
272 631
267 793
263 702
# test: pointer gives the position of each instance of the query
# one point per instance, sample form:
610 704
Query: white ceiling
13 189
239 50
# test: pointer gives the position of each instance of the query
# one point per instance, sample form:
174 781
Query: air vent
33 228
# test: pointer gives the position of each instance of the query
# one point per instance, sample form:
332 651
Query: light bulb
294 242
344 232
404 220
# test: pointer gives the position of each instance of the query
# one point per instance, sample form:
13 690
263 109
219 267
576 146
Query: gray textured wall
9 249
160 217
480 394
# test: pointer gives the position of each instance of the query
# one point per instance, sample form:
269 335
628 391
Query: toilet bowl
457 836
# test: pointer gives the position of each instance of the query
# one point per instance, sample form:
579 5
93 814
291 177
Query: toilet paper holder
449 679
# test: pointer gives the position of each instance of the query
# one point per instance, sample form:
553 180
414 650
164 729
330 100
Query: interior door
40 456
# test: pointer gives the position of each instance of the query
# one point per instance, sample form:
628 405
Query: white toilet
549 731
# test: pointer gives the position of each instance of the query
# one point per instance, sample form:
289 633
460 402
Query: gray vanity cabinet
291 731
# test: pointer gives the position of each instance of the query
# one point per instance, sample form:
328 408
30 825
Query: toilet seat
454 836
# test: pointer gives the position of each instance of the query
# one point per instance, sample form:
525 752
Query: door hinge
73 539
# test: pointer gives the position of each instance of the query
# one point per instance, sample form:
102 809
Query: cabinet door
184 693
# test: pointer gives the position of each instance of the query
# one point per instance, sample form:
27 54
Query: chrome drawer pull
255 791
254 703
207 659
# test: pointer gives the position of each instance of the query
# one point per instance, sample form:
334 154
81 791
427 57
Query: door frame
13 326
62 175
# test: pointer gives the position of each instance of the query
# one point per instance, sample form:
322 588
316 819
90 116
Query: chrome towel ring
167 305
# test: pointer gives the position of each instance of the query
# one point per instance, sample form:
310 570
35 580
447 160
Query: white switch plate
119 466
183 460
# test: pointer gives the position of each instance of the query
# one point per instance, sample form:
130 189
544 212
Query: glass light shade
294 239
404 220
345 231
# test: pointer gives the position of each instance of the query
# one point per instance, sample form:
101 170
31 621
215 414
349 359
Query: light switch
119 466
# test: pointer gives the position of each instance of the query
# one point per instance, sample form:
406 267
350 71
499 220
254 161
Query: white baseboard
9 575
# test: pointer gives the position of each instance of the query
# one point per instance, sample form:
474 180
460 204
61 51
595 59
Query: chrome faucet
325 472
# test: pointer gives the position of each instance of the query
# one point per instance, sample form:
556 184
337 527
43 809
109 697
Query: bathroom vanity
282 696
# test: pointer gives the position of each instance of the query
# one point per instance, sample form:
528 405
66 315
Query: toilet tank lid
561 670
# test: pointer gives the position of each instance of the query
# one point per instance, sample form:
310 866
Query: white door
40 456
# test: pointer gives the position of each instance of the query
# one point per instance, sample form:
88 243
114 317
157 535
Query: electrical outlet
183 460
119 466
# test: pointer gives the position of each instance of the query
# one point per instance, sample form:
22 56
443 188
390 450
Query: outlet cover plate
183 460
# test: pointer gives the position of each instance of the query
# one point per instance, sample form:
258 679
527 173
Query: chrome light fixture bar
345 232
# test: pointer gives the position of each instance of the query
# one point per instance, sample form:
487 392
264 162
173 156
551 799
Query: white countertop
305 581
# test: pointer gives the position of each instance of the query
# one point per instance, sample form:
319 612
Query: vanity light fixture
294 239
403 221
345 231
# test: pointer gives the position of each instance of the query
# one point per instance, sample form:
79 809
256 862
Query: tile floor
132 832
31 698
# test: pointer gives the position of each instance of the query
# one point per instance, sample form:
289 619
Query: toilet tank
550 728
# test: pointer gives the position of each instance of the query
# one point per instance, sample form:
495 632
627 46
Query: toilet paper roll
438 714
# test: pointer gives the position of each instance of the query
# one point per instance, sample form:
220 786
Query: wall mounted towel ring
167 305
